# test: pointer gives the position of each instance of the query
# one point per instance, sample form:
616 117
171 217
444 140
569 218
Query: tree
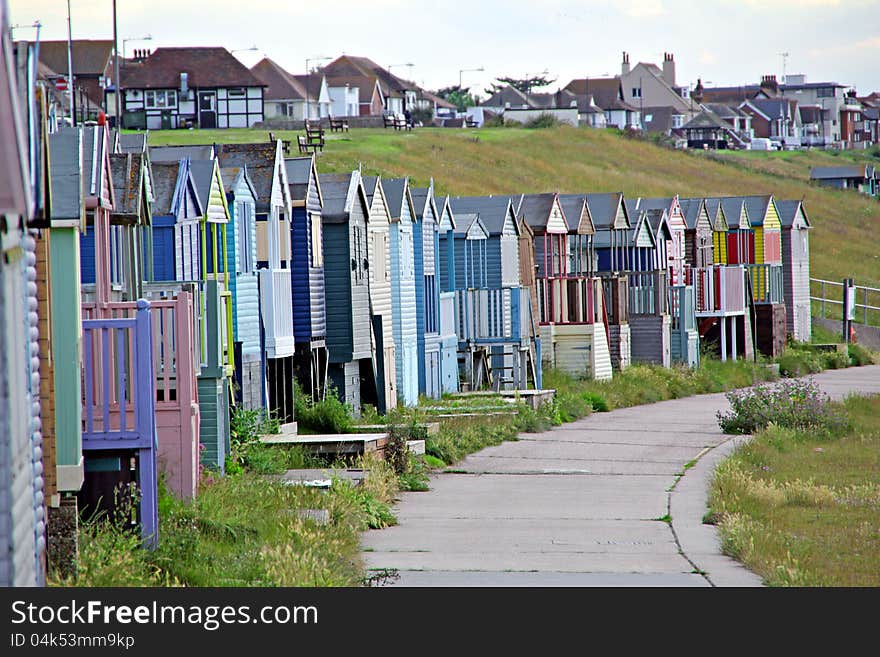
526 85
458 96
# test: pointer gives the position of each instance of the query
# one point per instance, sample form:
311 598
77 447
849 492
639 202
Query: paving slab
482 578
525 465
598 451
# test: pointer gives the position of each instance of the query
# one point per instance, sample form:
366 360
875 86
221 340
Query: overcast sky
725 42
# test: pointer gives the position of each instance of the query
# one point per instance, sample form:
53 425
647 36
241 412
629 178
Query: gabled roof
706 119
396 194
716 214
205 67
90 57
367 85
757 207
831 173
132 142
301 173
494 211
691 209
422 199
230 177
128 186
170 182
657 219
535 209
577 213
341 191
470 226
733 208
773 108
508 94
788 212
349 66
444 212
725 111
177 153
259 159
203 177
640 225
603 209
280 85
607 92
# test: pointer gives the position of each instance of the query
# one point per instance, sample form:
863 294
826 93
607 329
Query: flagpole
70 67
116 80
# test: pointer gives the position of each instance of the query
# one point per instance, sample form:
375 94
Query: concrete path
580 505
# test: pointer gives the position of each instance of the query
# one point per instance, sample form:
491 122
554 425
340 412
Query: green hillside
844 240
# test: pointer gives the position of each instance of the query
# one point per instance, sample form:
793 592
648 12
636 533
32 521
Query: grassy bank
515 161
799 507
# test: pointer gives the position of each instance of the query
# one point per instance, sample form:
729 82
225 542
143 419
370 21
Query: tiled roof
606 92
205 67
493 210
260 162
826 173
89 57
127 184
280 85
535 208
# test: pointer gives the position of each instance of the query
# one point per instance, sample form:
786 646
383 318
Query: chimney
669 69
624 68
769 85
697 93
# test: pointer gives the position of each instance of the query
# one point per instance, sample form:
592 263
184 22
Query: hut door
207 109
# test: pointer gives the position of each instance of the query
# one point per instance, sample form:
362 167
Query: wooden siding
403 290
214 421
379 257
346 379
309 310
796 282
719 251
425 254
650 339
243 284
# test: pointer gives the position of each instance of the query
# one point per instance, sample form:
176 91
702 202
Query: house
92 63
355 95
397 95
22 508
495 324
508 97
708 130
289 96
241 255
381 309
426 251
307 272
189 87
654 91
863 178
346 283
568 303
607 94
777 119
268 175
738 121
795 268
403 287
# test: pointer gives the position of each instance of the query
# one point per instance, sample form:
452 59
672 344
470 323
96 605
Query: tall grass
800 507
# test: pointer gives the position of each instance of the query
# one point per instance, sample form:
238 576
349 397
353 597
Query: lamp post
243 49
308 80
467 70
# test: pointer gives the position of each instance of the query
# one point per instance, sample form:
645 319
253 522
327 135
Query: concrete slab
479 578
588 450
525 465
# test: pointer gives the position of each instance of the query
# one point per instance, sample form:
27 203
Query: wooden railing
568 300
766 283
276 306
648 293
718 289
615 290
119 399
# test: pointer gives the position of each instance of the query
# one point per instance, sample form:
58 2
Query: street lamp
244 49
467 70
308 81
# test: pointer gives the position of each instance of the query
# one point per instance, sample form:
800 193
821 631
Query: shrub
790 404
543 120
329 415
799 362
859 356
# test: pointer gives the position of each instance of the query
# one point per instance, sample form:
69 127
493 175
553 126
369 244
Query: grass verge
801 507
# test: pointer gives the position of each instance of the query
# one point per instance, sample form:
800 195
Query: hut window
358 254
380 272
236 93
317 245
430 310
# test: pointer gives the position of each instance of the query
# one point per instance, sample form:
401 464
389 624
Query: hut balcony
648 292
492 316
766 283
568 300
719 290
276 305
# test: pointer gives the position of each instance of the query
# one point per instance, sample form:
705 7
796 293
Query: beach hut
309 310
675 249
241 255
268 175
698 242
426 252
381 316
403 287
346 285
445 266
795 268
495 323
569 304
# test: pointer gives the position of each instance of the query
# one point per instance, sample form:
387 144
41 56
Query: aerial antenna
784 56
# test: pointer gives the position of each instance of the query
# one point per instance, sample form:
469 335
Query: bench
285 143
338 125
306 147
472 123
315 135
